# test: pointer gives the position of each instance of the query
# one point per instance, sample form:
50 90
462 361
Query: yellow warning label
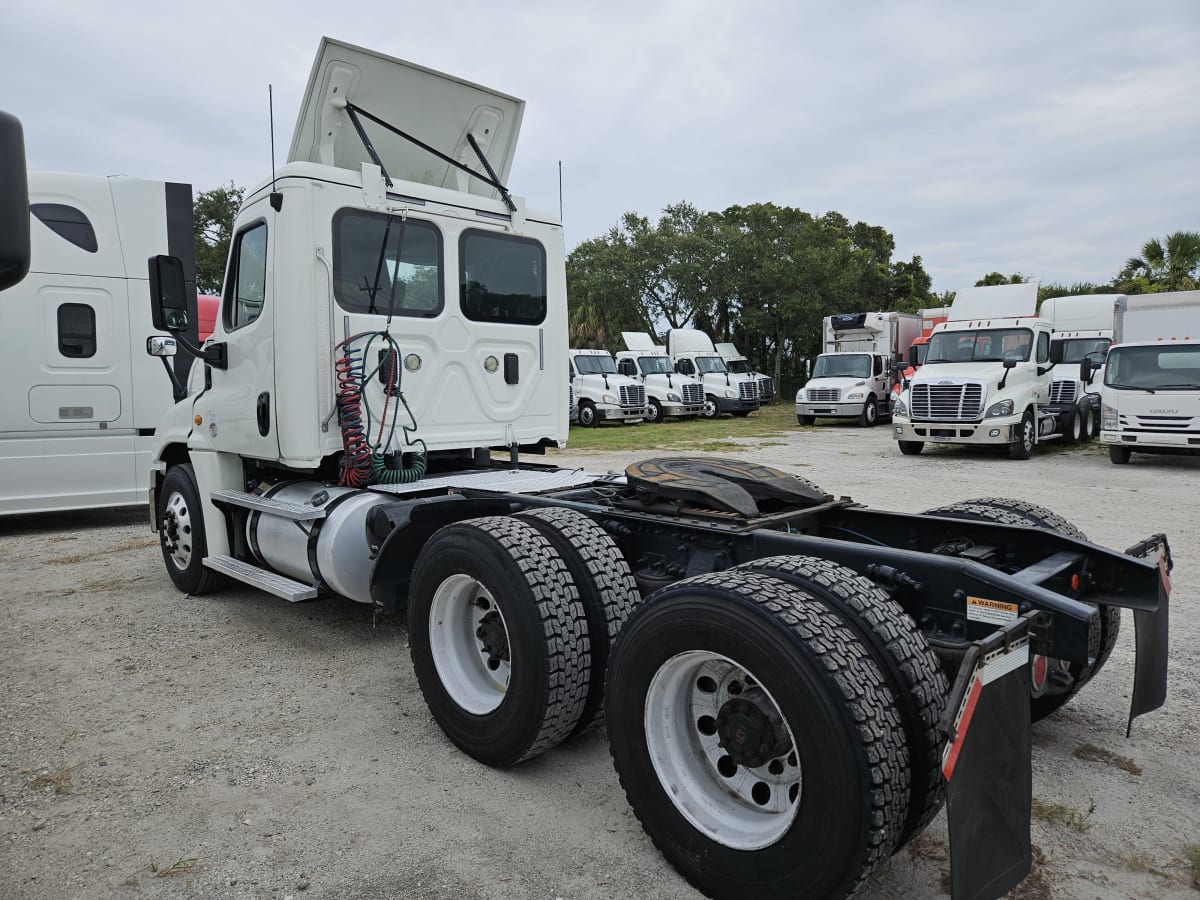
993 612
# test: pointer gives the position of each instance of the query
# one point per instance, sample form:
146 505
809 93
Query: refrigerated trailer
793 685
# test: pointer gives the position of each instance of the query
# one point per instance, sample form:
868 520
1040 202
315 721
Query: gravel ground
155 745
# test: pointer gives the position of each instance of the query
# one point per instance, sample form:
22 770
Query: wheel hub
494 637
751 730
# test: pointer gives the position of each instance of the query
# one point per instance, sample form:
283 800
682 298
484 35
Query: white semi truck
694 354
602 394
668 394
1150 400
739 364
81 399
1083 328
854 375
776 704
986 378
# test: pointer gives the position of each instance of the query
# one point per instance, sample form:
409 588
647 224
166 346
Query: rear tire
1104 636
911 668
1071 429
180 518
1119 455
743 665
499 639
911 448
605 584
1086 429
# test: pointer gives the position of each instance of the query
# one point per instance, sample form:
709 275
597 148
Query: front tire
870 414
587 414
756 739
654 411
711 409
1119 455
1022 447
499 639
911 448
180 518
741 413
806 421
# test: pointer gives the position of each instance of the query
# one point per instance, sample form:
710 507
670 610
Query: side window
878 366
1043 347
247 288
685 367
502 278
68 223
76 330
626 367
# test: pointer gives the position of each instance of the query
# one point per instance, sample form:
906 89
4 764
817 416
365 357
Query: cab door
237 410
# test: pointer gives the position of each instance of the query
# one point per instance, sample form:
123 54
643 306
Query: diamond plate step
285 509
271 582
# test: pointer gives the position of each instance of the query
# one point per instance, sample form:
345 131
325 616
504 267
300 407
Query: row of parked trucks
688 376
794 685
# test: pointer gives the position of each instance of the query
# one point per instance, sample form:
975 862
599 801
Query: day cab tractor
794 685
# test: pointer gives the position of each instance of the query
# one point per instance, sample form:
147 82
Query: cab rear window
502 278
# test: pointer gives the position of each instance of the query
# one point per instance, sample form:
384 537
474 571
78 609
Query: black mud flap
1151 634
987 766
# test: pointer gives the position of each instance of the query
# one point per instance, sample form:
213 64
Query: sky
1048 138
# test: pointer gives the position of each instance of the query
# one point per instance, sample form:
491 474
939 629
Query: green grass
771 421
1061 814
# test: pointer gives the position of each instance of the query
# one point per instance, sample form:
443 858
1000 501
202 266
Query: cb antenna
276 197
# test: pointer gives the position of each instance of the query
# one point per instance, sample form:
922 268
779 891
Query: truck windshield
1075 349
1154 368
595 365
983 345
738 365
847 365
655 365
707 364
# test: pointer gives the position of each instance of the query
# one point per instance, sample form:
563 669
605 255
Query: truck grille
633 396
947 402
824 395
692 393
1184 424
571 399
1062 392
766 388
748 390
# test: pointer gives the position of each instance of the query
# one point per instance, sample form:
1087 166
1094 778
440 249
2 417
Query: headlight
1003 408
674 398
608 398
857 395
729 395
800 395
1108 418
900 408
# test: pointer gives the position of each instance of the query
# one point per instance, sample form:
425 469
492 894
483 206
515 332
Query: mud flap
1151 635
987 766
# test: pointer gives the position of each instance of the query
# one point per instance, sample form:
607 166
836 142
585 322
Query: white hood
439 110
977 371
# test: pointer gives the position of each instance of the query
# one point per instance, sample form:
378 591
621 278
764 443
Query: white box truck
81 399
986 378
1150 399
739 364
603 394
668 394
393 315
854 375
694 354
1083 328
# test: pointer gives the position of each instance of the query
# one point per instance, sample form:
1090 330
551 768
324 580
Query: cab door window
246 290
1043 347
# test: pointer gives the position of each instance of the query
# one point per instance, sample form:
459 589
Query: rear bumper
994 431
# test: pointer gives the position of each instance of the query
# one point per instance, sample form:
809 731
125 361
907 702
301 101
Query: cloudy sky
1049 138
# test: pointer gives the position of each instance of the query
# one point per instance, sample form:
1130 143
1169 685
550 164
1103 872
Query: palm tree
1173 264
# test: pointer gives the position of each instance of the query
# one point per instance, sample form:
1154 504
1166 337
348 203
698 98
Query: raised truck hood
439 110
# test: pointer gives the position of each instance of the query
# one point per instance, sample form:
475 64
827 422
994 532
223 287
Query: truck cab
1082 330
668 394
602 392
986 378
695 355
741 365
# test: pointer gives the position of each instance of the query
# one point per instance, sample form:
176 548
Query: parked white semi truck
1083 328
81 399
603 394
854 375
739 364
1150 399
668 394
777 706
694 354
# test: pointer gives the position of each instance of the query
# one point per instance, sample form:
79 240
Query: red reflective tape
964 723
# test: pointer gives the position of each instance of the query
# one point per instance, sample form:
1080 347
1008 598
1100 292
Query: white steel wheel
469 638
177 531
720 744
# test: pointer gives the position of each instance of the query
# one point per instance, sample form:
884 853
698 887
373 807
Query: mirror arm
177 388
215 354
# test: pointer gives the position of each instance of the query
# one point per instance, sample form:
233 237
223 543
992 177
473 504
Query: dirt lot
155 745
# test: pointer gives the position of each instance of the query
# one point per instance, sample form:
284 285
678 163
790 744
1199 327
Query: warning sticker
993 612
